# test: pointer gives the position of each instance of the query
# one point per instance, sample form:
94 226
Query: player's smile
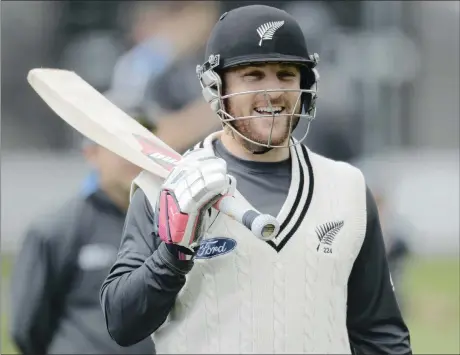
274 110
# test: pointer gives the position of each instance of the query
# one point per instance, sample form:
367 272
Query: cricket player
199 282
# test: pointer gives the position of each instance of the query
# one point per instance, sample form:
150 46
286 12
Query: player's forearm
141 287
136 301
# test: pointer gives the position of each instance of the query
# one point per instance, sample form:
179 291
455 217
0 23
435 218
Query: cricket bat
90 113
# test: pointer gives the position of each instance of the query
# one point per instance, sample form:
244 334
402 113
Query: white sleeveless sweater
289 296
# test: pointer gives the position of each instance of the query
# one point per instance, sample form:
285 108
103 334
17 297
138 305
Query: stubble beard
246 128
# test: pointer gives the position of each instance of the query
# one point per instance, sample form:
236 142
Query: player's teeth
276 109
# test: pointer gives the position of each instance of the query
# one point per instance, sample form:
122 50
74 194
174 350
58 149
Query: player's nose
272 86
272 96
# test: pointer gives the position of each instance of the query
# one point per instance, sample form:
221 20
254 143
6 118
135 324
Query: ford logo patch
209 248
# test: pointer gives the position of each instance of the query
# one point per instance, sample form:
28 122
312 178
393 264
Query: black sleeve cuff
165 256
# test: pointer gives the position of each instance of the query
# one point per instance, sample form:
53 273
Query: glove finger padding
190 190
195 184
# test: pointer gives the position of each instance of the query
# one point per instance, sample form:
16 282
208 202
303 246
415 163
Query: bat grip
263 226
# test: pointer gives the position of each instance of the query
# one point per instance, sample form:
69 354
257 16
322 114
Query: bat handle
263 226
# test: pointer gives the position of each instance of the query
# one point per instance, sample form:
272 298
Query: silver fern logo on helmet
267 30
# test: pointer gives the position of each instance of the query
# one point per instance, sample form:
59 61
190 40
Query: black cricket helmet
258 34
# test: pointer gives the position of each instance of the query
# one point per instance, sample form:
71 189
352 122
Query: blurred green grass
432 299
6 346
432 293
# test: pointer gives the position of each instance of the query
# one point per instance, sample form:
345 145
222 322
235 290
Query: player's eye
253 75
286 74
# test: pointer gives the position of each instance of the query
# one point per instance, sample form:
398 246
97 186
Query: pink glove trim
172 222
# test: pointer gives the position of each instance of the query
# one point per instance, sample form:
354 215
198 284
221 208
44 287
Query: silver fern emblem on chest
267 30
326 234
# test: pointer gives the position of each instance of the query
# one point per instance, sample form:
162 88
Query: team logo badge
326 234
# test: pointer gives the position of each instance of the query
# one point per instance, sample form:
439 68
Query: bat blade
93 115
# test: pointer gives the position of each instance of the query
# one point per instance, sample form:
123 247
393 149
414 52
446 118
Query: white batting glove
191 188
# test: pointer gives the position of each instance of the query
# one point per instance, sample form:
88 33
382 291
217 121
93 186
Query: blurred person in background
158 72
64 259
168 37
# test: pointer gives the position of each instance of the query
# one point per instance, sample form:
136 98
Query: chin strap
262 152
